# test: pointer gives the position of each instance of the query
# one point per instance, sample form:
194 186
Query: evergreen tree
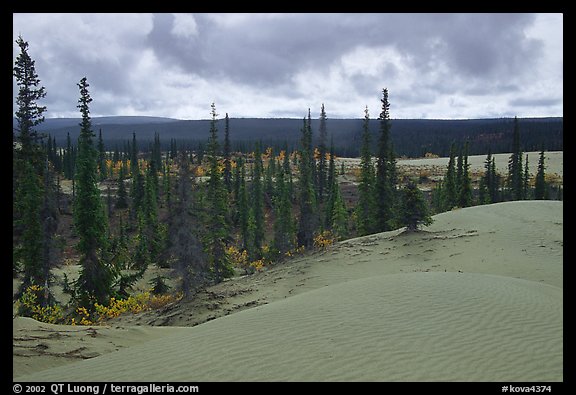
485 187
308 220
465 189
449 184
29 253
385 165
227 155
216 226
29 113
69 158
321 173
515 165
540 184
525 180
414 211
339 223
366 208
134 169
495 187
331 184
284 229
190 260
136 193
167 181
438 197
96 276
28 159
122 199
257 205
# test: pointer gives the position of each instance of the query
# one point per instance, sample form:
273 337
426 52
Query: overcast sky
279 65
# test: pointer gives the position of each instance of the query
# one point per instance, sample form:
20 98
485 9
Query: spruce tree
485 188
227 156
515 165
525 180
189 259
308 220
366 207
122 199
284 229
331 184
30 185
96 276
29 252
216 225
414 210
321 173
465 189
540 184
449 185
384 183
257 204
339 220
29 113
134 156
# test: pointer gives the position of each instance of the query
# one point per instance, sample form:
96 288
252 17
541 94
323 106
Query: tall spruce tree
308 221
243 212
216 224
540 188
227 155
257 206
189 259
525 181
96 276
486 182
35 211
366 207
449 185
465 187
321 173
284 224
29 113
384 184
515 165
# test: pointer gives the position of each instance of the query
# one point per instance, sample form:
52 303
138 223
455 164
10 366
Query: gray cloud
165 64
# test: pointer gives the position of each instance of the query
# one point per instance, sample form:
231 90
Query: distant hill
411 137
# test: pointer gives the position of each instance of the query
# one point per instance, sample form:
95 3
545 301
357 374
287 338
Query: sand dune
477 296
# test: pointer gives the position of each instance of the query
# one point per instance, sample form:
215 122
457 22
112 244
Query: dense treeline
412 138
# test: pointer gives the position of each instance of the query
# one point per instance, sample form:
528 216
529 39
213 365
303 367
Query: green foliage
29 113
308 219
515 184
385 186
96 277
414 209
366 207
216 211
540 187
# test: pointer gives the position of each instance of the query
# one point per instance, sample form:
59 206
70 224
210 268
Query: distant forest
410 137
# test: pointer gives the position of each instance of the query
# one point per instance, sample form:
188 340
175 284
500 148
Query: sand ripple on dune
401 327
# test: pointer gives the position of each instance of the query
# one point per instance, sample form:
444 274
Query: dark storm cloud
268 51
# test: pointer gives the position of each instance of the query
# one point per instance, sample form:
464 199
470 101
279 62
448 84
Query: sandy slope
477 296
